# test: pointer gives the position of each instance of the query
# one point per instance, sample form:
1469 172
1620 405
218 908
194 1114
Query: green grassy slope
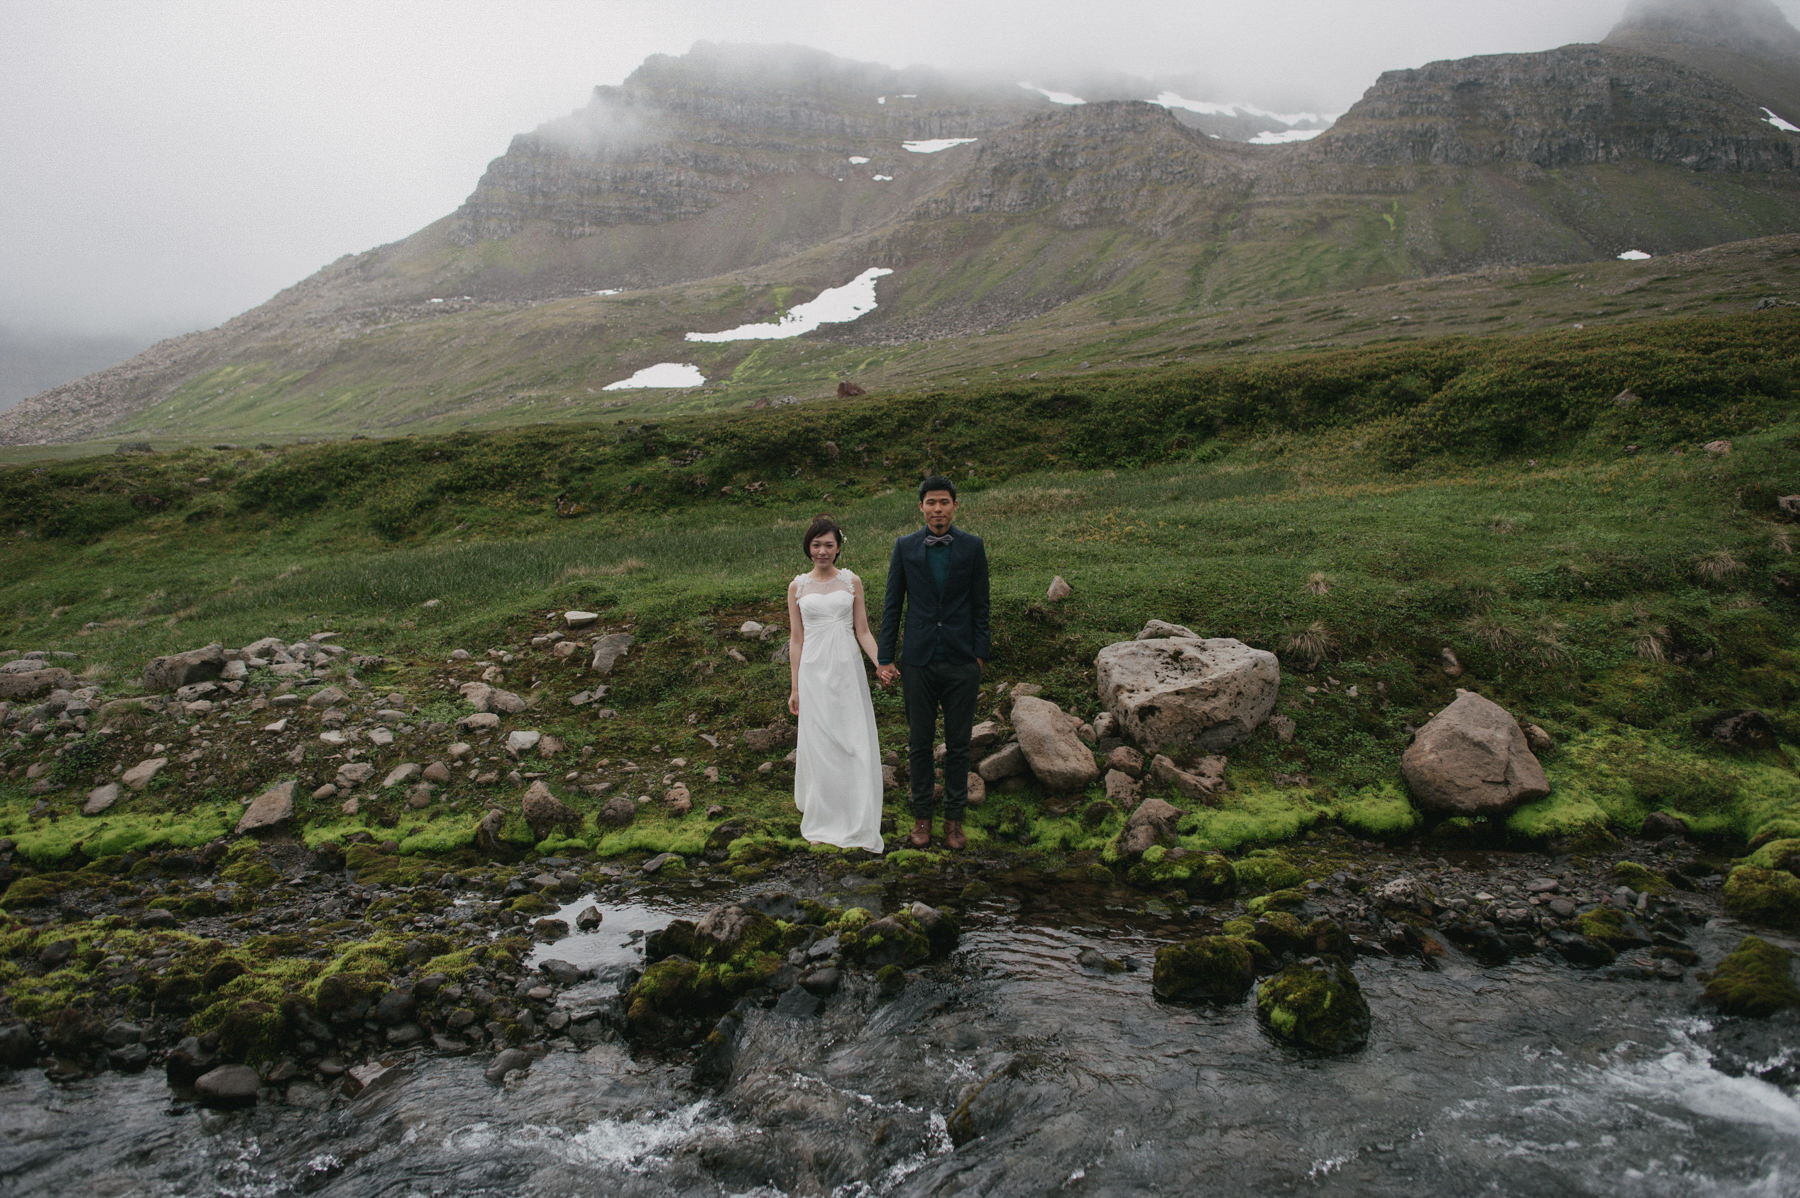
1356 512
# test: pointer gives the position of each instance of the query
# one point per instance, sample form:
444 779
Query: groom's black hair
936 482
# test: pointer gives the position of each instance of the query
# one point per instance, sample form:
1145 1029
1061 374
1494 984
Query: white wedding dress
837 766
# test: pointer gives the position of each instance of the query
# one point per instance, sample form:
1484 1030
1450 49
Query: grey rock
1152 823
609 649
1006 762
1187 693
329 696
1203 783
1472 759
100 798
34 684
183 669
228 1086
271 809
401 774
1051 746
505 1063
139 775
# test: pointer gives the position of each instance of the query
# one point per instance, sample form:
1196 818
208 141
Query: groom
939 576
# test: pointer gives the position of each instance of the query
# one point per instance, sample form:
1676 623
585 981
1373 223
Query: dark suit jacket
959 615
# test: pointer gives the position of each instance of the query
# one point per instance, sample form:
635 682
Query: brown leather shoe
953 835
921 834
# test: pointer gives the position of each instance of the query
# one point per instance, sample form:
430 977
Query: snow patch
1776 121
934 145
1281 137
1634 256
857 160
882 178
1053 97
663 374
834 305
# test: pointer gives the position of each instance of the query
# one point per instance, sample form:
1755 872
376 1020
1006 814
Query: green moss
531 904
1756 979
1320 1008
1382 812
1781 853
1276 900
897 939
1265 870
1765 896
47 843
1608 926
1252 815
1564 813
1219 969
372 867
1640 878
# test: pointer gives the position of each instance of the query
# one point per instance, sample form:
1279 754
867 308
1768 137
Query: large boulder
184 669
1187 693
1054 752
1472 759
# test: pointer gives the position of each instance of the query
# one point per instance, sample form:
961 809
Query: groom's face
939 509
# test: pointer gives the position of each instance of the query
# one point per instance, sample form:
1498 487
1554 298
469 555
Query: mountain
730 185
31 363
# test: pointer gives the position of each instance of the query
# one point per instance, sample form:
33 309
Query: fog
170 163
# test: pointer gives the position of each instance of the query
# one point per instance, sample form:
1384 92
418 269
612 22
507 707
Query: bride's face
823 551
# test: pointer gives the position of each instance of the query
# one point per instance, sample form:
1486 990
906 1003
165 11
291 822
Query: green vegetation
1592 566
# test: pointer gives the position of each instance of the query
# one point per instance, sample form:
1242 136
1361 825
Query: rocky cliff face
682 135
1098 162
1748 42
1569 107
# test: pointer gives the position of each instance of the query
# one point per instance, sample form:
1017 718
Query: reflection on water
1014 1070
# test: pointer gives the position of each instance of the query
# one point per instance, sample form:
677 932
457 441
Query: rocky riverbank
346 964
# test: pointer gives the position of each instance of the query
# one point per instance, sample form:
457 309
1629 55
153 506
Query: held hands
887 675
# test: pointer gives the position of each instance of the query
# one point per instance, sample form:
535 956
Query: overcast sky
170 163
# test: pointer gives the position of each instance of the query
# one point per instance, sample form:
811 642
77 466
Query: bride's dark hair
818 528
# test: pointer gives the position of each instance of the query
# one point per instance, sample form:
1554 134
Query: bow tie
943 540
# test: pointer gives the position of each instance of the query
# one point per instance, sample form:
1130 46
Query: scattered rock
543 810
100 798
1472 759
1007 762
609 649
329 696
34 684
401 774
1204 783
1217 969
183 669
580 619
139 775
1055 754
1059 589
1449 664
1152 823
678 800
228 1086
271 809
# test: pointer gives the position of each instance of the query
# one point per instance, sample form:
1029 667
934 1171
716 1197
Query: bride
837 766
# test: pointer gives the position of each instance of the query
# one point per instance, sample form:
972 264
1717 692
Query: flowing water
1013 1069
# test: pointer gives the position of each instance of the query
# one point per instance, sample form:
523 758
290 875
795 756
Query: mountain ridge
711 198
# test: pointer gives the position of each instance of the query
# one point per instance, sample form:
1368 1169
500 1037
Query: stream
1012 1069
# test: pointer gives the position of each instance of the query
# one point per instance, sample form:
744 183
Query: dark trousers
950 687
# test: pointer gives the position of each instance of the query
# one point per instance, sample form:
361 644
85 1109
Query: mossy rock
1277 900
38 890
248 1029
1266 870
1756 979
1765 896
1641 878
1613 928
1216 969
676 991
1782 853
1320 1008
898 939
891 979
1281 933
525 904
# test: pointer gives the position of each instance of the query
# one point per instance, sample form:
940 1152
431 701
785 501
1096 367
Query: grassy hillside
1594 568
